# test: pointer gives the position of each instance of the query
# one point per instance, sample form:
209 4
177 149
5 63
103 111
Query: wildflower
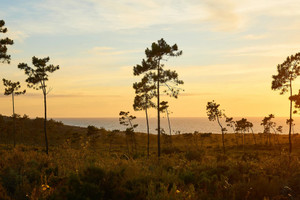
177 191
45 187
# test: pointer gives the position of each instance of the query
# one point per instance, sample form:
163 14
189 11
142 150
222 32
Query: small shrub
10 180
92 130
194 155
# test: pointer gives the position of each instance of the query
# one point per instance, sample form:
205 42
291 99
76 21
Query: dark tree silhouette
164 109
250 125
142 101
11 88
154 70
37 78
127 120
215 113
296 100
3 44
287 72
268 124
244 125
230 123
241 125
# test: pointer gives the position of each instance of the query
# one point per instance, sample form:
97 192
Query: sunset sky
230 51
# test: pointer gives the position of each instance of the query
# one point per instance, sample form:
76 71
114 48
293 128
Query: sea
178 124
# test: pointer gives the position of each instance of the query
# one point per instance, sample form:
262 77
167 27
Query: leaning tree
215 113
11 88
268 124
142 101
3 44
153 68
287 72
37 79
164 109
127 120
230 123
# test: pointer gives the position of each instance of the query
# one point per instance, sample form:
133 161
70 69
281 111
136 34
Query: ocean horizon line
161 117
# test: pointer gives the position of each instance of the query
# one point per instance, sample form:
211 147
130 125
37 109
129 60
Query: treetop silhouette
126 119
12 87
144 93
3 44
286 73
38 75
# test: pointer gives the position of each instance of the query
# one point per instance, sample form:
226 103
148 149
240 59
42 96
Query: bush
92 130
10 180
194 155
93 183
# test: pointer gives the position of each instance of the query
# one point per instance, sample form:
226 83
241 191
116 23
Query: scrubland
99 164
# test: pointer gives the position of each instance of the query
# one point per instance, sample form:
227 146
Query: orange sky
230 52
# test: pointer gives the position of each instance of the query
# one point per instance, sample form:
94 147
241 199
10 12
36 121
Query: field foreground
99 164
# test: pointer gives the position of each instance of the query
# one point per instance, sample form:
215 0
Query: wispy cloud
222 14
109 51
94 16
17 35
273 50
91 16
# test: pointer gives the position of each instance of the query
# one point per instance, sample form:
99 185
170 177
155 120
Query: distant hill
30 131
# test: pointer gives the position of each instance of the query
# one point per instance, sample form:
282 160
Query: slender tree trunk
170 130
243 141
148 132
45 122
291 111
222 135
14 118
253 136
133 140
158 111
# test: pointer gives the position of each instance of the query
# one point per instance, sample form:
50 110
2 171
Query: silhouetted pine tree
11 88
215 113
3 44
142 101
37 78
127 120
154 70
287 72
